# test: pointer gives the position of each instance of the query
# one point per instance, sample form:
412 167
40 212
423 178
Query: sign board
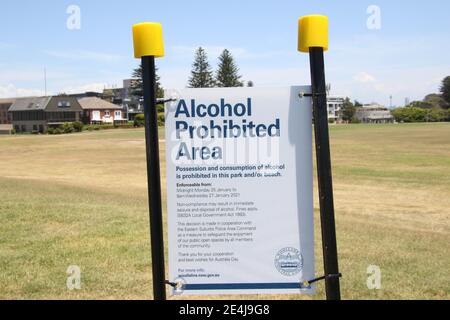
239 190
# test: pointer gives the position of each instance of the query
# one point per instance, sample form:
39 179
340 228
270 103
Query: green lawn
81 200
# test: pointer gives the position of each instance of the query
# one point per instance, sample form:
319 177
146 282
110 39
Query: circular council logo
289 261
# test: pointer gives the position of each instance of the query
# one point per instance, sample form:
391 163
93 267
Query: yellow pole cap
148 40
312 32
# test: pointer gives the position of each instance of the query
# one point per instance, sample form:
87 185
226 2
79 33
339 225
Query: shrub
98 127
92 127
67 128
438 115
410 114
125 125
53 130
161 119
139 120
355 120
77 126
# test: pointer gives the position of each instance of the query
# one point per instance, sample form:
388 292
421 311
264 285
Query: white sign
239 190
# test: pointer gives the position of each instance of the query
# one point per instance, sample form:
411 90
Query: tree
137 87
438 115
348 110
228 73
201 74
436 100
411 114
420 104
250 84
445 90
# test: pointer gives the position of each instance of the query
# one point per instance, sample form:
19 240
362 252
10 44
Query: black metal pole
154 177
324 173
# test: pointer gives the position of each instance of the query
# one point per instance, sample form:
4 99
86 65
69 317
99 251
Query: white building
335 105
374 113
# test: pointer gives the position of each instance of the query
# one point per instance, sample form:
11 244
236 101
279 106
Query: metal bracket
178 287
307 284
162 101
314 95
171 284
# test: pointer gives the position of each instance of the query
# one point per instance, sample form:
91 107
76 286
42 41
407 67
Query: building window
107 113
61 116
63 104
118 114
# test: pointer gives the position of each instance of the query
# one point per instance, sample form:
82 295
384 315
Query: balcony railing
62 120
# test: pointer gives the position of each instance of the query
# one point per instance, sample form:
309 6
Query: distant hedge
71 127
66 128
97 127
414 114
139 120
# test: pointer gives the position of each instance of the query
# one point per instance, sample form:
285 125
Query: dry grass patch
81 199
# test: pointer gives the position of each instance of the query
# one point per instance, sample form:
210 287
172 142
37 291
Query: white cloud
90 87
15 75
84 55
375 66
364 77
11 91
402 82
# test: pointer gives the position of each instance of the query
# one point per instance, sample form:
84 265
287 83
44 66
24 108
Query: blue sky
407 57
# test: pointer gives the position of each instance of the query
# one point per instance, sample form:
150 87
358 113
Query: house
5 116
99 111
37 114
374 113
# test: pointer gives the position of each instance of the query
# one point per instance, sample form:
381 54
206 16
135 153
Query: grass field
81 200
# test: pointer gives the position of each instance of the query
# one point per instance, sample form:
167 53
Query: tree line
202 75
226 75
434 107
